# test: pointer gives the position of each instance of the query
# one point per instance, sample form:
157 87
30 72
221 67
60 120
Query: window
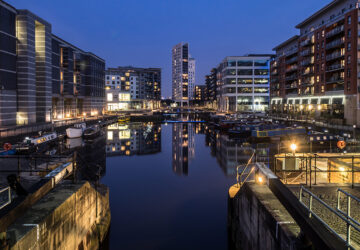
348 59
261 81
262 63
245 90
245 81
231 72
109 97
261 72
245 72
348 46
231 63
349 20
261 90
230 81
348 73
349 33
243 63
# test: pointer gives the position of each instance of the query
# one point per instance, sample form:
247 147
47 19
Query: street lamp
354 126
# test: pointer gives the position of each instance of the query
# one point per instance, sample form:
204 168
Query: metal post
300 194
310 204
348 229
310 170
306 173
315 169
352 172
338 200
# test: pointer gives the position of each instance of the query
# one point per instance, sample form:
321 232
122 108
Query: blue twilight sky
142 32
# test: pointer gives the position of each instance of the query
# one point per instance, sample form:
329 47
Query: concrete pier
71 216
257 220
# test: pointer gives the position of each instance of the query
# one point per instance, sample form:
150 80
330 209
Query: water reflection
133 139
183 147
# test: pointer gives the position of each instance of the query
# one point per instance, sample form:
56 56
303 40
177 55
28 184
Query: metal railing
349 222
239 176
8 189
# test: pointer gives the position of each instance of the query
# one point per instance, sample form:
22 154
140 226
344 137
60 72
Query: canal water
167 188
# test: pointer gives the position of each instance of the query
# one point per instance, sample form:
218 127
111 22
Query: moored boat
35 143
76 131
92 132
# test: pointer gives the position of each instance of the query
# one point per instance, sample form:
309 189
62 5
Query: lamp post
354 126
293 148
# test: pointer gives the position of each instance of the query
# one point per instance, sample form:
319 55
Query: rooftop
292 39
318 13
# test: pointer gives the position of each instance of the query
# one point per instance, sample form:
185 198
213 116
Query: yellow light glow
310 107
84 114
341 169
319 107
293 146
67 115
301 107
260 179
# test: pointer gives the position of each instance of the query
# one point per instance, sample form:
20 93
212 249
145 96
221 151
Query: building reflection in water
133 139
231 153
183 147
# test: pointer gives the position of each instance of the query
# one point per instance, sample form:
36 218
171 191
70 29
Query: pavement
328 194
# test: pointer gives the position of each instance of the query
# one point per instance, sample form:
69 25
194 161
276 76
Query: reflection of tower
183 147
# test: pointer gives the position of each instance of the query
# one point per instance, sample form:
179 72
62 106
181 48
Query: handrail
348 197
348 221
9 196
238 177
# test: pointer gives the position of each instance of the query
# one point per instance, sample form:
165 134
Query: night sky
142 32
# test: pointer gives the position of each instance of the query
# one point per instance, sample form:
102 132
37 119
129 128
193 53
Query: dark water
169 182
167 194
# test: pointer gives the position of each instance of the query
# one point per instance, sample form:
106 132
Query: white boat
74 143
42 138
76 131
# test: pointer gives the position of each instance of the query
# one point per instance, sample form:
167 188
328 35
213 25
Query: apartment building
183 74
129 88
38 78
243 83
316 73
200 94
211 89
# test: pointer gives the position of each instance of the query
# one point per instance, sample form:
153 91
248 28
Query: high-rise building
43 77
243 83
315 74
211 89
183 74
200 94
192 80
133 88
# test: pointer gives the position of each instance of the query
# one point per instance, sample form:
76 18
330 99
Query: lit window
109 97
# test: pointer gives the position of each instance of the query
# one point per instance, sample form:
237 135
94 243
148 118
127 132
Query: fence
312 169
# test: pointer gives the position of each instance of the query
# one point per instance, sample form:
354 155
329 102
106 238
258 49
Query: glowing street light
293 147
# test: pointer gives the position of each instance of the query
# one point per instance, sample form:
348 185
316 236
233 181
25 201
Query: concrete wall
72 216
257 220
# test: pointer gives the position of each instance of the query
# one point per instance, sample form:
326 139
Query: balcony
291 69
308 72
306 42
292 60
291 52
274 80
274 72
334 67
291 86
333 56
335 44
307 62
335 79
335 31
291 78
306 52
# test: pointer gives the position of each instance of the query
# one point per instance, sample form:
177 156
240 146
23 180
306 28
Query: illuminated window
110 135
113 78
109 97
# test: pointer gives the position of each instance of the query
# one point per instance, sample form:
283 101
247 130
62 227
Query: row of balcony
291 52
334 67
335 79
291 77
306 52
292 60
335 43
306 42
292 68
334 55
307 62
335 31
